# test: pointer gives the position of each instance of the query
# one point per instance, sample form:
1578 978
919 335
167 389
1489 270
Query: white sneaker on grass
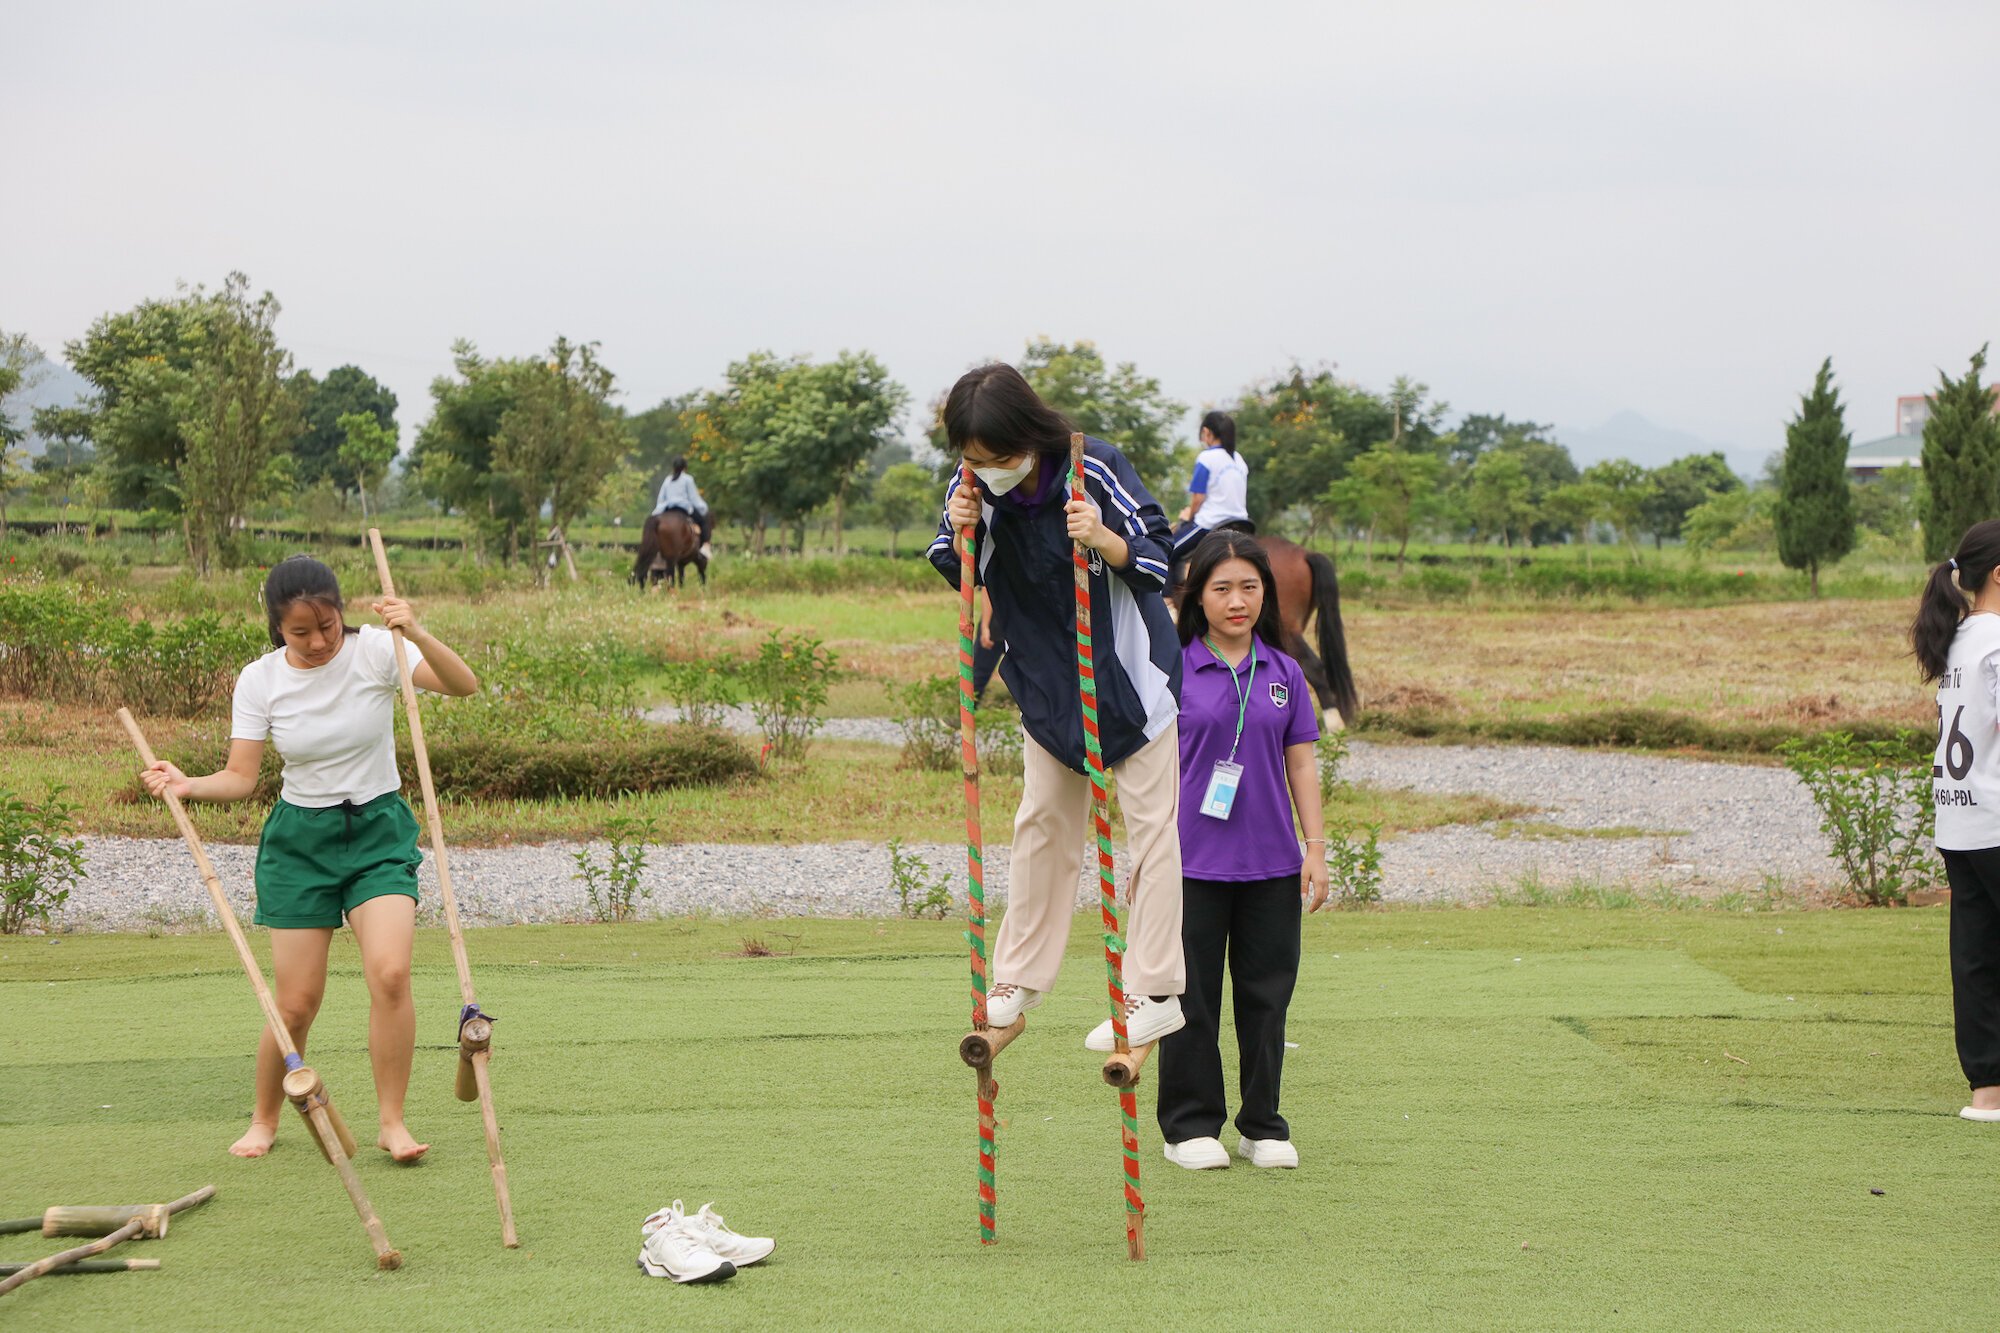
1268 1152
1007 1002
671 1250
1146 1021
708 1227
1199 1155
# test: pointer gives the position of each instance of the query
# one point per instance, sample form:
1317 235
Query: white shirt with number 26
1965 772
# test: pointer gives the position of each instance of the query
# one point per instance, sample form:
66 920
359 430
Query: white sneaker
1007 1002
671 1250
1199 1155
1268 1152
708 1228
1146 1021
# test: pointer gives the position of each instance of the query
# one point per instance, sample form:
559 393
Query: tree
1682 485
1298 432
1889 503
1499 498
905 496
1114 403
452 459
345 391
1815 511
366 452
1961 458
560 438
66 455
1625 490
237 416
1576 506
137 361
1392 490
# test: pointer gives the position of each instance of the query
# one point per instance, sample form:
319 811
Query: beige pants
1048 859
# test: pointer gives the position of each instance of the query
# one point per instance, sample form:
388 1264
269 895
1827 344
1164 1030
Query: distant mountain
1631 436
51 383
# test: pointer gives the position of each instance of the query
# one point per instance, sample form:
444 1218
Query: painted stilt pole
1107 883
978 1049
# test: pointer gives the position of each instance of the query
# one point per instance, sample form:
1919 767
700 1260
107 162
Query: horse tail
649 542
1332 634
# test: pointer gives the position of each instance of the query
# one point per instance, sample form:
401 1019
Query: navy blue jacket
1025 564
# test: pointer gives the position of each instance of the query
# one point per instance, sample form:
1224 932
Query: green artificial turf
1511 1117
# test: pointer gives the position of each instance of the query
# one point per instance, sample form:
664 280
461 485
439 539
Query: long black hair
993 406
1223 427
1213 549
1943 604
680 466
299 578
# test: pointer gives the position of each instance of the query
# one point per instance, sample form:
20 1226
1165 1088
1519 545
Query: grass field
1551 1119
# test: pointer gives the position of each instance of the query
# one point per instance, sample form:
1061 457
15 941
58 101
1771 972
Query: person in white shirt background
340 841
1958 647
1218 493
678 491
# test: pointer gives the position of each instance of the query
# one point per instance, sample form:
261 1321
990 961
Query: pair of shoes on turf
697 1247
1146 1021
1207 1154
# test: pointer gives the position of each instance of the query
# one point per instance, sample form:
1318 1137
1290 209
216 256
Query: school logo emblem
1278 695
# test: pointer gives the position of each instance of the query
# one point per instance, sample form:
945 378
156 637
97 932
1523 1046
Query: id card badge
1221 795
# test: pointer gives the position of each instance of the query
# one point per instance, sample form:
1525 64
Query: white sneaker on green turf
1268 1152
672 1250
1146 1021
709 1229
1007 1002
1199 1155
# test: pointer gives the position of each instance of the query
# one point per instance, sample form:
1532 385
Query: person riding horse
678 491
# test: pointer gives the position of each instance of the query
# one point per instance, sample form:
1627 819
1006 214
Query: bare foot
400 1144
256 1141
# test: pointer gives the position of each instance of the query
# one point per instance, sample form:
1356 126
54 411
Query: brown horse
670 543
1307 591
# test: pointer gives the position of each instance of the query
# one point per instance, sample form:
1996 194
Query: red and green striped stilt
975 872
1107 883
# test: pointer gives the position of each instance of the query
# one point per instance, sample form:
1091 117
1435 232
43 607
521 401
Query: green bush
64 644
613 888
41 858
1630 728
1875 804
927 713
824 574
701 690
919 894
1354 865
787 684
492 769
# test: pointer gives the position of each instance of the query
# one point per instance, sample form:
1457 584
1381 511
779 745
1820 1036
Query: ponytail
1223 427
1943 604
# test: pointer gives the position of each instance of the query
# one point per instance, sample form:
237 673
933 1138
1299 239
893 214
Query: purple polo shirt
1257 841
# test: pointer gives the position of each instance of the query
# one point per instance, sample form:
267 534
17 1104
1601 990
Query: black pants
1257 925
1975 962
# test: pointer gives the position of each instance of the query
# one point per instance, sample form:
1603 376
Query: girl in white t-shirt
1959 648
340 841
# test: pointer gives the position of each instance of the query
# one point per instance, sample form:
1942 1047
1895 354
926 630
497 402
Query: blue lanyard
1243 689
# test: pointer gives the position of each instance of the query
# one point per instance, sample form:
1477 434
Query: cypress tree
1961 459
1815 510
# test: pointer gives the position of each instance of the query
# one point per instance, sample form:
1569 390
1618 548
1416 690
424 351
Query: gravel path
1718 826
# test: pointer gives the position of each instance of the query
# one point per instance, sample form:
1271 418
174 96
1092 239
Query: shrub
822 574
918 893
1332 751
701 690
40 858
787 684
489 768
1354 865
613 888
65 644
927 713
1874 803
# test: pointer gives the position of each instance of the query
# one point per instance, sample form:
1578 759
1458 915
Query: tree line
197 413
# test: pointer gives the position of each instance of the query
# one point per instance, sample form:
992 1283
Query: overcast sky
1557 211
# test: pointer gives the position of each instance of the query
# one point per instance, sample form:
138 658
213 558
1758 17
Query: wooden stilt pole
316 1115
1107 884
90 1266
135 1227
475 1056
86 1221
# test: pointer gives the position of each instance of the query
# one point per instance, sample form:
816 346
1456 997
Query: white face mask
1001 480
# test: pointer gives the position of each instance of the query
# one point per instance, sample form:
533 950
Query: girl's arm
442 671
1302 773
232 782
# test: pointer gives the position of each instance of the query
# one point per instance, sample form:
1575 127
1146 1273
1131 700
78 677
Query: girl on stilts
340 841
1247 738
1959 648
1018 449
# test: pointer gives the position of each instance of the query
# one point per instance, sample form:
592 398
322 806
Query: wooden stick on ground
475 1031
85 1221
90 1266
316 1112
135 1227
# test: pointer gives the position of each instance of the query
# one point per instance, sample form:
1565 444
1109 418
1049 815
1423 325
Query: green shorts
316 865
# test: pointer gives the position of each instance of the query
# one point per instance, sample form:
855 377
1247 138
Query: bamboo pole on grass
475 1028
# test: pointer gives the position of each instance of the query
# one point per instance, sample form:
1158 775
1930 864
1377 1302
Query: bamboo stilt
28 1273
984 1087
89 1266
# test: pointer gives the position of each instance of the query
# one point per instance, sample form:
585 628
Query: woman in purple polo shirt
1247 730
